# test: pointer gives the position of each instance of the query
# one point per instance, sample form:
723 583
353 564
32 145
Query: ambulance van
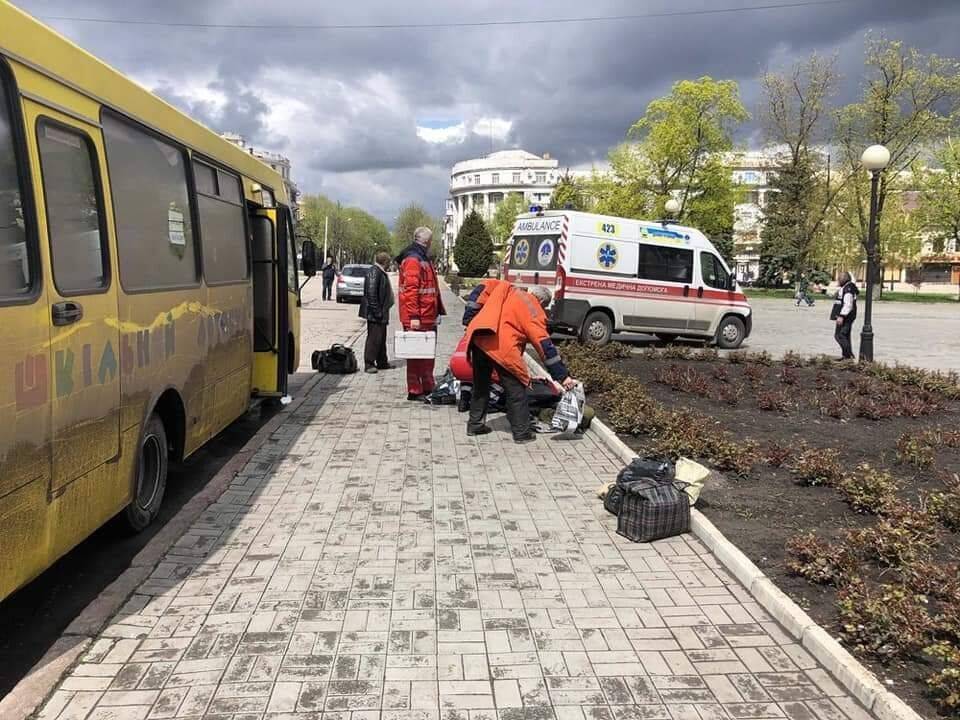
613 275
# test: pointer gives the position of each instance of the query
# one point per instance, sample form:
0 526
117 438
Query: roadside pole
326 224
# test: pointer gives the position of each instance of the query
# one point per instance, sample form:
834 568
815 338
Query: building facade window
495 178
476 179
541 178
516 178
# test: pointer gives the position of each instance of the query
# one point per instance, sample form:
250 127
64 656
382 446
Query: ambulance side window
713 272
665 263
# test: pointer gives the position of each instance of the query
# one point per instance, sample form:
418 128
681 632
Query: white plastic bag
569 410
692 473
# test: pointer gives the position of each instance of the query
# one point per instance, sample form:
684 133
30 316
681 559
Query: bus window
15 275
264 293
152 208
71 192
222 232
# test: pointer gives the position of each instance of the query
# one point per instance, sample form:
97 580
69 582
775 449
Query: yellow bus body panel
67 455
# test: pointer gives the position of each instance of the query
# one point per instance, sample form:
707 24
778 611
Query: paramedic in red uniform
507 320
420 306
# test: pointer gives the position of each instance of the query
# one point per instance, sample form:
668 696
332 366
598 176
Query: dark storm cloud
571 90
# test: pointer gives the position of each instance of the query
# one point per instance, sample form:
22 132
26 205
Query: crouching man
507 320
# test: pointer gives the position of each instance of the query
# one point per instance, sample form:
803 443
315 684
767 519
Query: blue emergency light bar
538 209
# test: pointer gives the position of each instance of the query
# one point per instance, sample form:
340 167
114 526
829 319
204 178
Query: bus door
271 323
82 313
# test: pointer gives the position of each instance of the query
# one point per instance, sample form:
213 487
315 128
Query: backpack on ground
638 469
339 360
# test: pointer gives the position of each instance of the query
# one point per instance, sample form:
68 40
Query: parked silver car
350 282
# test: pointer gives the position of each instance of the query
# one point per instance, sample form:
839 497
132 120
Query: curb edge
842 666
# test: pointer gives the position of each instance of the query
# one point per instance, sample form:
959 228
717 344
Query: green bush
888 623
473 251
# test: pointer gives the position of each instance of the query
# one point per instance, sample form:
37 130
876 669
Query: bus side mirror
308 260
733 281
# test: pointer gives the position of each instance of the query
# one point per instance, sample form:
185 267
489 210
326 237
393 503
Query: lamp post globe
671 207
874 159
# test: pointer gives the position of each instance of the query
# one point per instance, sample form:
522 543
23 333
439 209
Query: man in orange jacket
507 320
420 306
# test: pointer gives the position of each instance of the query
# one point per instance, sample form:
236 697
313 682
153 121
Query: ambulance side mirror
733 281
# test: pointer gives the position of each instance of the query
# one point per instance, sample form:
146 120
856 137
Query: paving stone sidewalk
373 563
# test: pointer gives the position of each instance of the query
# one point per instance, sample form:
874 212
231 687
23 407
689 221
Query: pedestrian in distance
844 312
420 306
507 320
329 273
803 294
375 305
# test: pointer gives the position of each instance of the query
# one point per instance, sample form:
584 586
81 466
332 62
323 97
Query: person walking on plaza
329 273
375 307
420 306
508 319
844 312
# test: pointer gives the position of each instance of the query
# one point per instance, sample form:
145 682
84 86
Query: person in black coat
375 307
329 273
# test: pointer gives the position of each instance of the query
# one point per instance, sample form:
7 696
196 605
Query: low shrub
755 374
773 400
759 358
945 507
730 393
915 448
868 490
789 376
945 684
777 455
820 562
833 404
677 352
706 355
905 536
934 579
888 622
721 373
794 360
737 358
873 409
817 466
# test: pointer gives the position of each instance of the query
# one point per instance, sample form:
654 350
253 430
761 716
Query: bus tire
731 332
665 337
150 479
597 329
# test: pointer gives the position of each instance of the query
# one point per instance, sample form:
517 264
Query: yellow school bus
148 289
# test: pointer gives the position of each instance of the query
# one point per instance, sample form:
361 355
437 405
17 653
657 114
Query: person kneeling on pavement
507 320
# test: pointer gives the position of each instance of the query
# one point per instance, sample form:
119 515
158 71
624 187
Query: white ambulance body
612 275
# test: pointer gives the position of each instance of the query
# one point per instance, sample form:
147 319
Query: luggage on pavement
652 509
339 360
446 391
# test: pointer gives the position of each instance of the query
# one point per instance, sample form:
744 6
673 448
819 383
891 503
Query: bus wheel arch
161 442
597 328
731 331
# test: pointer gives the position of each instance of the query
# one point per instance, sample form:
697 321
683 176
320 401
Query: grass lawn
841 482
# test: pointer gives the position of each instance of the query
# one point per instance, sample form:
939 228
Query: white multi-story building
484 183
751 171
276 161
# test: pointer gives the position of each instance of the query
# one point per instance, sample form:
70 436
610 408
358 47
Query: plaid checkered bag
652 509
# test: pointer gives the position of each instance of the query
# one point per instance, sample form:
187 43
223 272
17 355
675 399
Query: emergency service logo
545 254
521 252
607 256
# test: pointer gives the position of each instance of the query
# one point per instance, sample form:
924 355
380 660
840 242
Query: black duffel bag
638 469
339 360
652 509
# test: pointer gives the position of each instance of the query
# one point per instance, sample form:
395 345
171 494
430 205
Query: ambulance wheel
597 329
150 480
665 337
731 332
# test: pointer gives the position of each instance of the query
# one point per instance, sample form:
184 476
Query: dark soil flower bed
839 483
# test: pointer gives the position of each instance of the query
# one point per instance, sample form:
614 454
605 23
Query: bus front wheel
151 475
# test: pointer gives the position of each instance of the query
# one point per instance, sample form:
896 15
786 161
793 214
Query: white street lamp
874 159
672 207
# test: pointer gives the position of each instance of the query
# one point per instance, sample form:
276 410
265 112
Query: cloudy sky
376 117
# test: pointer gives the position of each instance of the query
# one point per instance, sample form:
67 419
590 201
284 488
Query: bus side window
71 191
16 276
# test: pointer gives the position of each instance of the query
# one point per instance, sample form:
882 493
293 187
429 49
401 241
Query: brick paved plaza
371 561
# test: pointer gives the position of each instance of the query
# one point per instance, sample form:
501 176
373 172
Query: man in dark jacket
375 308
329 273
844 312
